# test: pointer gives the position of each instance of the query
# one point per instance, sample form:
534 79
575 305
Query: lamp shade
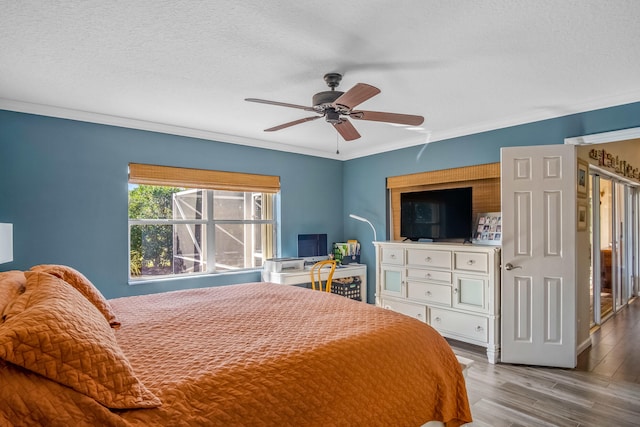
6 243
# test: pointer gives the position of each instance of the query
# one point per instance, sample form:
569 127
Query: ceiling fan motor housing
332 116
322 100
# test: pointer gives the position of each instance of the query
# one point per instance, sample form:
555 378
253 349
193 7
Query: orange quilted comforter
262 354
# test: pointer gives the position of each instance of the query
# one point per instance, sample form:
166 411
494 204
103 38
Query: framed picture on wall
488 229
582 178
582 216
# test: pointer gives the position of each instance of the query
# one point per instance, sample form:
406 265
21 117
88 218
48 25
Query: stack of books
347 253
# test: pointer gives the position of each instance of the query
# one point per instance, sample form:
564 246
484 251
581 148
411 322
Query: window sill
227 277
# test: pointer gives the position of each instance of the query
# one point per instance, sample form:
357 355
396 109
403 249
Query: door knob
508 266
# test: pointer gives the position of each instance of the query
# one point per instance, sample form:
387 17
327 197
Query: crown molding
124 122
601 138
420 138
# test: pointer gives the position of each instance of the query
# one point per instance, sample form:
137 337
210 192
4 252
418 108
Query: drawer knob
392 256
437 319
455 290
479 329
419 315
471 261
428 259
428 275
428 293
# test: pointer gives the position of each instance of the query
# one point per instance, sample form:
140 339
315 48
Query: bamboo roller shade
483 179
202 178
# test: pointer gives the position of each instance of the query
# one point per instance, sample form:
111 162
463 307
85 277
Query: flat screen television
436 214
313 247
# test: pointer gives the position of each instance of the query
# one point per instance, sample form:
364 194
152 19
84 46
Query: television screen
312 247
436 214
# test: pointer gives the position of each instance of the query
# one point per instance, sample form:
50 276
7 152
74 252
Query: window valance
202 178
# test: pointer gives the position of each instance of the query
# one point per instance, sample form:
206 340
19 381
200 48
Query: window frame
210 223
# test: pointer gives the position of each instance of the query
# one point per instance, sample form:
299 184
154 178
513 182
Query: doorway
613 241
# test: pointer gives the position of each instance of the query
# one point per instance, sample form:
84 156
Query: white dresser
453 287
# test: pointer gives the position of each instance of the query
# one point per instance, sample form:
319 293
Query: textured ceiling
186 66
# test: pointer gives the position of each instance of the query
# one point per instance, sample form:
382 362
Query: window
192 221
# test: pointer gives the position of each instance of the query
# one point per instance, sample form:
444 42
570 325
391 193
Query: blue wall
364 183
63 184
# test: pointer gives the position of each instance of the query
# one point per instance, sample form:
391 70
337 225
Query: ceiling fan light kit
334 104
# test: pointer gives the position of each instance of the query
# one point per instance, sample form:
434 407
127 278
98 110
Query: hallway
615 347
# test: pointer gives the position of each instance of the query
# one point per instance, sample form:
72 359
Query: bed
257 354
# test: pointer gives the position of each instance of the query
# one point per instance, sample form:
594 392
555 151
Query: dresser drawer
431 275
471 261
460 324
429 258
429 292
414 310
392 256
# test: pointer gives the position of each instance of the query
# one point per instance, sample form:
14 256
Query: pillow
52 330
11 285
82 284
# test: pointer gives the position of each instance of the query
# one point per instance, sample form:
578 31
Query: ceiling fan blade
293 123
378 116
281 104
356 95
346 130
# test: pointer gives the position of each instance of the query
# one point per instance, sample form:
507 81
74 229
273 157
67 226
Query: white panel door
538 298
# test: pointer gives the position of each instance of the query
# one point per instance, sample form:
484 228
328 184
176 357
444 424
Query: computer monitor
313 247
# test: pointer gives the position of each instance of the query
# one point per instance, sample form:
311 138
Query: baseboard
584 345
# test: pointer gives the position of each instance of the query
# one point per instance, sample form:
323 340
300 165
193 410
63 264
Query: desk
304 276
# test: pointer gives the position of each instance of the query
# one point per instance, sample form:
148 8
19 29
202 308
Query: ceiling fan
333 105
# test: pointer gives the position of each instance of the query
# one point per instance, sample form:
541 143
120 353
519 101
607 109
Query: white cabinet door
470 292
538 255
392 281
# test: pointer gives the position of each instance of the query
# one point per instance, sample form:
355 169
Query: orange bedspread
263 354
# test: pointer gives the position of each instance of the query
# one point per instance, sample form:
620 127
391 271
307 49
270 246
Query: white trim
124 122
584 345
612 175
601 138
420 138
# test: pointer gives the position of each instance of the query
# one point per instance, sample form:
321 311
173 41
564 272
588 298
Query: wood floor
604 389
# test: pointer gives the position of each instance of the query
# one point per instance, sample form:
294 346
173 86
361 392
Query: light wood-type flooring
602 391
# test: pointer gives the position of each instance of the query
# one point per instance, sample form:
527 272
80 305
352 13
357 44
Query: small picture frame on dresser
488 229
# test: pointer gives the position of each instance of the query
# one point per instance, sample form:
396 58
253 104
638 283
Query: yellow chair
316 271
